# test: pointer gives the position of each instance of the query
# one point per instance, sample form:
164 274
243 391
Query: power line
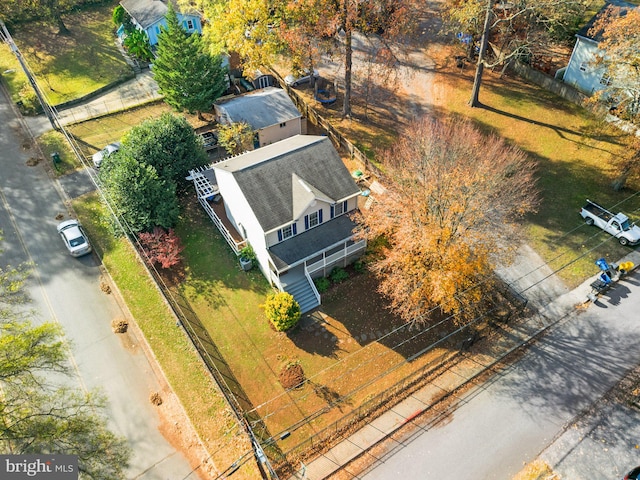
52 115
46 107
554 272
476 285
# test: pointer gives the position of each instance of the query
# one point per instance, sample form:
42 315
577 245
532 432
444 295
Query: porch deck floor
292 276
218 208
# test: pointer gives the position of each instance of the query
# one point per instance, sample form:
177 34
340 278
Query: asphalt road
67 291
533 406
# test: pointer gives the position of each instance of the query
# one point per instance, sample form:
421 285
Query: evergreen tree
141 197
168 144
189 77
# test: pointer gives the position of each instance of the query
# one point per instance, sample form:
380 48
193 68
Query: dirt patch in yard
291 376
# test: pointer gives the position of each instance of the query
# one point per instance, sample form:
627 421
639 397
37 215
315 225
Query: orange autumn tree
618 29
454 197
619 32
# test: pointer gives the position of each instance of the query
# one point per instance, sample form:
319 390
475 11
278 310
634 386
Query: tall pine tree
188 76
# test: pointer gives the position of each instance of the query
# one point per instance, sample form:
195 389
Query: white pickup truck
617 225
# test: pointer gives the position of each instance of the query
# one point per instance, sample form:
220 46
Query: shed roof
287 176
261 108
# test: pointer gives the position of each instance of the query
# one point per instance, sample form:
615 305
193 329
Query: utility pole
46 108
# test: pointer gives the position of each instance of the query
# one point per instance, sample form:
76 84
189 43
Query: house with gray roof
582 72
292 202
269 111
148 16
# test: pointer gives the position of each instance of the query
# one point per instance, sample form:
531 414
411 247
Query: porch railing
275 280
313 285
334 257
235 246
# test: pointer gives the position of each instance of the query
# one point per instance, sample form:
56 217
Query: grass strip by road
185 372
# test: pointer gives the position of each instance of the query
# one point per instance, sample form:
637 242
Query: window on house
287 232
282 125
157 29
190 25
338 209
313 219
583 67
605 80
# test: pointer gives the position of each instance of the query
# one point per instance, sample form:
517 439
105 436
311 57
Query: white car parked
74 238
105 152
293 81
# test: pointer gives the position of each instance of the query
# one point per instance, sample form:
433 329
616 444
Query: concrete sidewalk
140 89
468 366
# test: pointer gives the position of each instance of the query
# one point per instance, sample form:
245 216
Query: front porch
312 254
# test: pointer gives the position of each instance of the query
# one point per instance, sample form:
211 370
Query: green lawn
183 368
330 346
573 151
67 66
576 154
94 134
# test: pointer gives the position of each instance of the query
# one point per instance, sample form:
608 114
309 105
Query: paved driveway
67 290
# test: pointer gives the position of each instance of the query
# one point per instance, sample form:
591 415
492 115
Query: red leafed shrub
162 247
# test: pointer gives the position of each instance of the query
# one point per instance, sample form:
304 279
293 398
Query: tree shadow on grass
360 315
84 144
561 131
330 396
314 337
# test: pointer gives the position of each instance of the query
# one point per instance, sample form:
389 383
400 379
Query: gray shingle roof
262 108
145 12
148 12
267 177
309 243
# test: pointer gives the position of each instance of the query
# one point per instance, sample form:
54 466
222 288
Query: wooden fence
339 140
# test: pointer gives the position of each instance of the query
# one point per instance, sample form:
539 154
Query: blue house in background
148 15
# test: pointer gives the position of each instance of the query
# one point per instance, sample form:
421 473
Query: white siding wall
275 133
272 238
240 213
587 81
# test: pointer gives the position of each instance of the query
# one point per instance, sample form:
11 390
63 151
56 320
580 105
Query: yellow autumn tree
301 30
236 138
454 197
618 29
